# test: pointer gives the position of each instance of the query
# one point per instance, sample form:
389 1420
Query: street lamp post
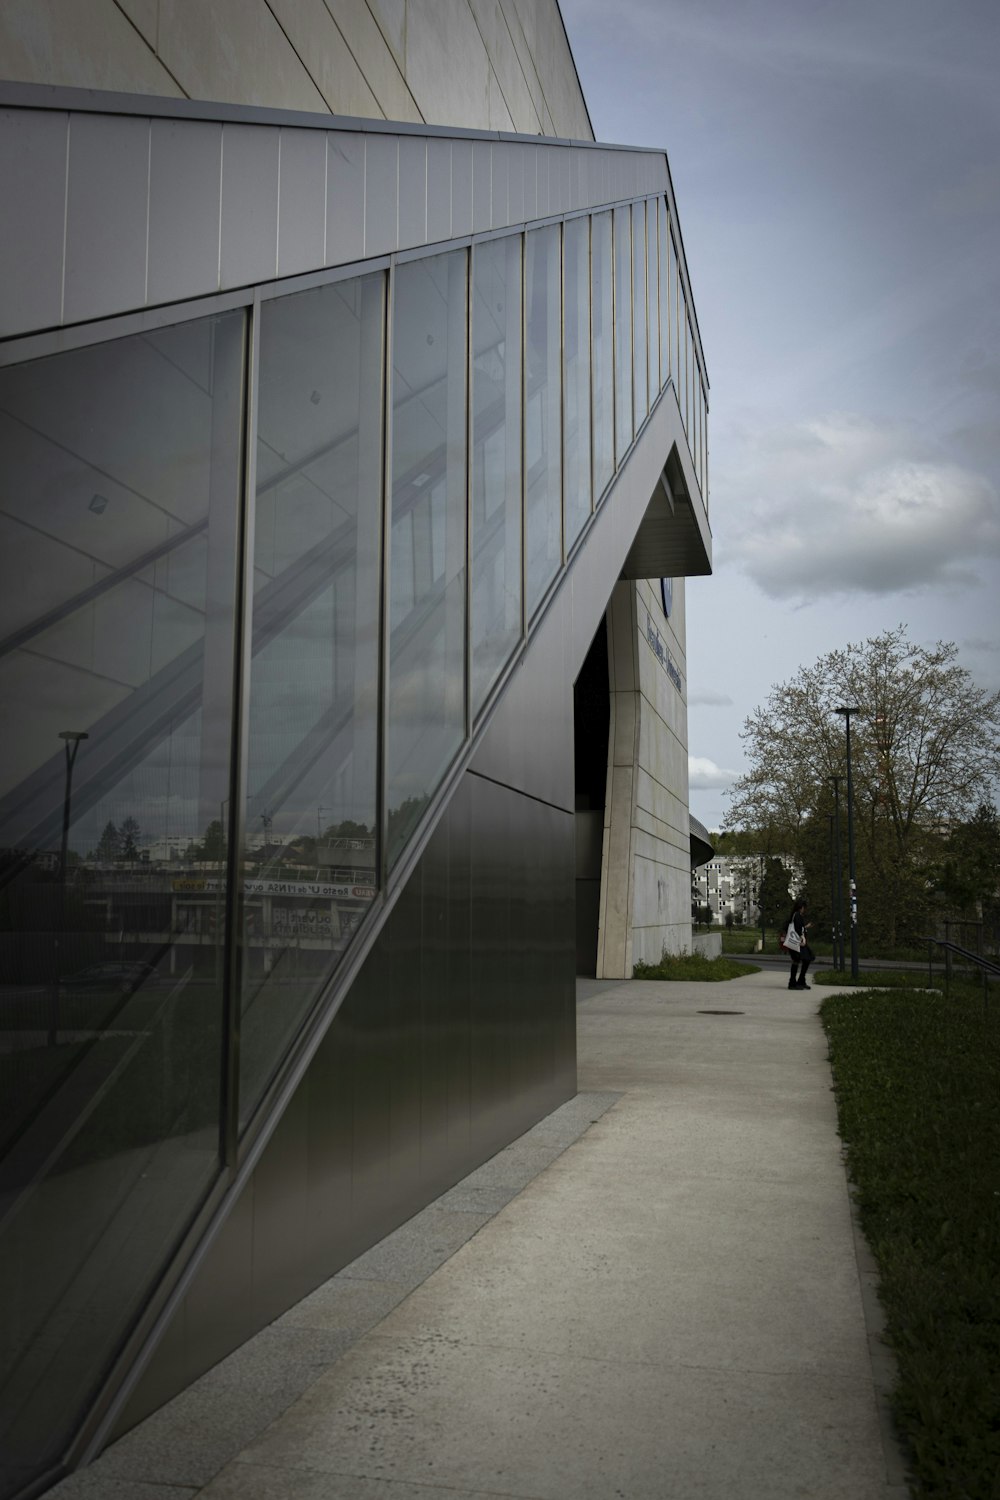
851 882
760 906
71 744
838 914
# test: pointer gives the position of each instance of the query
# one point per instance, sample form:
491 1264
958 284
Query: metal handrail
988 967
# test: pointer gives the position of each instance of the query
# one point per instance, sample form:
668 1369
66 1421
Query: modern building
350 395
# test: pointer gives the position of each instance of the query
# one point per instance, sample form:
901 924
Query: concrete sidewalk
673 1306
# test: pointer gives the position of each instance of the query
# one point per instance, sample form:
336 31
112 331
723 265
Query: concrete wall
509 65
646 862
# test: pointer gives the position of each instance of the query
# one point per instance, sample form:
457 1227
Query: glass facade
542 411
576 376
496 460
664 290
311 811
652 302
602 351
235 687
640 367
120 464
426 655
624 431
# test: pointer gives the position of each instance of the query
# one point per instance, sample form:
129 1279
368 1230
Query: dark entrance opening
591 721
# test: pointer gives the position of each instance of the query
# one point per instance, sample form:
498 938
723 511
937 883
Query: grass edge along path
693 966
917 1084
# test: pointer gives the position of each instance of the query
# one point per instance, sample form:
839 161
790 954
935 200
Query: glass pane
665 284
496 461
542 411
311 812
576 399
641 387
652 306
120 470
675 295
623 333
428 517
688 381
602 326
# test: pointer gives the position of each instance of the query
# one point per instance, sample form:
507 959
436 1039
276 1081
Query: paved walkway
669 1304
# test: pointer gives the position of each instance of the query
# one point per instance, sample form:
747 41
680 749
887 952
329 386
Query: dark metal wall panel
459 1033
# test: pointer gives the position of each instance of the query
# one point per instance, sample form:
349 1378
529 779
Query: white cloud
705 775
710 700
855 508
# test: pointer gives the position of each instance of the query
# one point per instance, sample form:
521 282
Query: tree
967 880
129 840
109 845
773 895
924 751
212 847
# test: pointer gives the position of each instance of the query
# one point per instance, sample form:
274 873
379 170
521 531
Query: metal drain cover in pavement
722 1013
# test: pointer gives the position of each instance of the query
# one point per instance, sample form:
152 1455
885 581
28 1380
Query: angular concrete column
645 867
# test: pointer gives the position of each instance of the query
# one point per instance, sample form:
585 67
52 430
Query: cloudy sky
837 171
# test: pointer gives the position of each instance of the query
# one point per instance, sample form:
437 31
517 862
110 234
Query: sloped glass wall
180 881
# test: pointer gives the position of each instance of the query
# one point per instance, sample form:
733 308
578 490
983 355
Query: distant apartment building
729 884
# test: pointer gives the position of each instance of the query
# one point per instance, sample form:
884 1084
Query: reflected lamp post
71 739
838 909
851 882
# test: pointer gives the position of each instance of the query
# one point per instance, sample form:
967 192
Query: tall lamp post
838 909
71 744
851 882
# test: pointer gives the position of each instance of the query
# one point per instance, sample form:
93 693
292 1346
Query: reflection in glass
496 460
542 412
665 285
576 395
602 346
640 383
428 536
623 333
651 302
311 811
119 476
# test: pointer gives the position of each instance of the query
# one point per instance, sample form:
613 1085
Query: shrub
692 966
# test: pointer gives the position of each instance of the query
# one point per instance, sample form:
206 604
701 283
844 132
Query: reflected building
353 453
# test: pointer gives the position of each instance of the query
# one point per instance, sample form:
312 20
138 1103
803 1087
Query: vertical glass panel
496 460
120 476
602 349
640 383
652 302
623 333
689 381
428 517
665 284
576 396
675 296
311 812
542 411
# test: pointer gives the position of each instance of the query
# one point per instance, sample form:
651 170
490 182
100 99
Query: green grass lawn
877 978
917 1080
692 966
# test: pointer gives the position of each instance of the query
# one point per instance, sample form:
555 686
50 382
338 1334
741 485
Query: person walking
797 948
